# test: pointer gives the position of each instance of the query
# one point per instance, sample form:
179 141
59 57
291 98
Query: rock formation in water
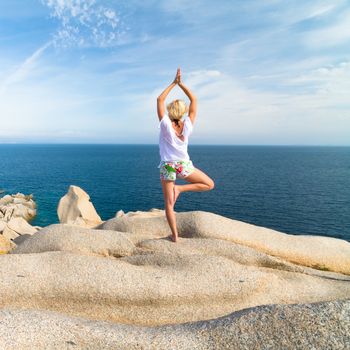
225 284
17 206
15 212
75 208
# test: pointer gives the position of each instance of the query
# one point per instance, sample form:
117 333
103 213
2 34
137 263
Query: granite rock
6 245
17 206
75 208
21 226
63 237
324 253
103 275
321 326
126 285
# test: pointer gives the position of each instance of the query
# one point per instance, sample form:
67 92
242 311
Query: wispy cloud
331 35
84 23
22 71
330 85
321 10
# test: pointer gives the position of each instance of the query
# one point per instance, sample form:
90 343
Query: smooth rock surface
324 253
16 227
21 226
321 326
75 208
155 287
77 239
130 274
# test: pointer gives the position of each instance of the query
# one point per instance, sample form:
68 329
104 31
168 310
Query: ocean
302 190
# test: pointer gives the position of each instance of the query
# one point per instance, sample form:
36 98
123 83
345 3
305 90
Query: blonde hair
176 109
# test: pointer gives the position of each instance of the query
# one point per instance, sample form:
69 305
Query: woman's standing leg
168 193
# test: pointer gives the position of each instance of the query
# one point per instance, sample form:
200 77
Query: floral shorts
171 170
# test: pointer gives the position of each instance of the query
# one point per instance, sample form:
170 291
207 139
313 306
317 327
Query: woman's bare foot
173 238
176 191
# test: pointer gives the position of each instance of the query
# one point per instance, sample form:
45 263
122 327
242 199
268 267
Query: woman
173 141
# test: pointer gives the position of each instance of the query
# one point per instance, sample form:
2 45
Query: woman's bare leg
168 193
199 182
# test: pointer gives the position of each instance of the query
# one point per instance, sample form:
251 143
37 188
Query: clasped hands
177 79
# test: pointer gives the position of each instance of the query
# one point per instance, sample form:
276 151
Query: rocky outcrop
220 286
15 210
17 206
141 277
324 325
324 253
75 208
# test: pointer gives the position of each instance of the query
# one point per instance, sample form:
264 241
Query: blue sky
265 72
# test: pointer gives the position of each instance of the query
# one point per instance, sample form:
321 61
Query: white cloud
84 23
332 35
330 85
267 12
294 12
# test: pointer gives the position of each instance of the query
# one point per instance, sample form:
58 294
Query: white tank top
171 147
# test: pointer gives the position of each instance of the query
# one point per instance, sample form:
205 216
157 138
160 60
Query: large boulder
75 208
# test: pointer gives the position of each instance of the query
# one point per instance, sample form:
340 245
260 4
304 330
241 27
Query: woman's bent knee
211 184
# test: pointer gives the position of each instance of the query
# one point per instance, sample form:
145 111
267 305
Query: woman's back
171 146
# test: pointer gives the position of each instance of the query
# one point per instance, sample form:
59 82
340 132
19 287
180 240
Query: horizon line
156 144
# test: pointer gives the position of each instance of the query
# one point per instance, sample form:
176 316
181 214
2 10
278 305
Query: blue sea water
293 189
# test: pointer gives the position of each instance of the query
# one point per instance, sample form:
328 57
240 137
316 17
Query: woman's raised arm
192 112
161 98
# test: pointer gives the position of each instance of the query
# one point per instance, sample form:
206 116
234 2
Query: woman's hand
161 98
177 79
